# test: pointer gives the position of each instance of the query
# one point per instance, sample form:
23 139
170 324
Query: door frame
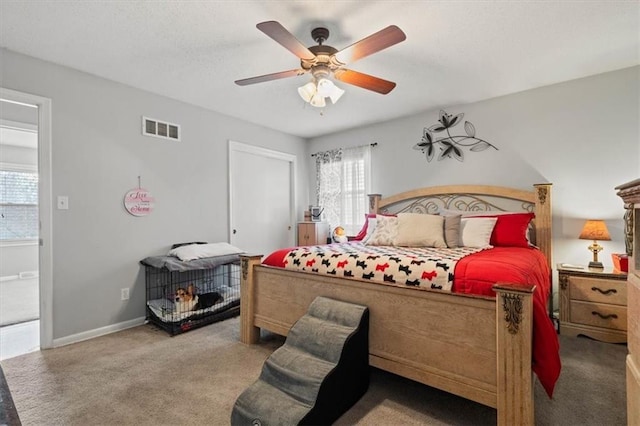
45 249
235 147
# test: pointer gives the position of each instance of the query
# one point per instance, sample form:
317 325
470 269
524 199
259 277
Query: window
18 203
342 185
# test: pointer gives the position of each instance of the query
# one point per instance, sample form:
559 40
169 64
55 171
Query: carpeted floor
141 376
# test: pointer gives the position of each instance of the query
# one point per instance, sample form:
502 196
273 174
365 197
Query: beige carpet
142 376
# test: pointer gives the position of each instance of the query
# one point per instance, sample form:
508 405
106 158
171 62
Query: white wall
581 135
98 153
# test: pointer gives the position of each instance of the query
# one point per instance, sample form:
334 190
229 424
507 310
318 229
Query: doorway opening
25 223
19 234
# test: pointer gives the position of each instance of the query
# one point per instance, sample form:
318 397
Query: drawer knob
614 316
605 292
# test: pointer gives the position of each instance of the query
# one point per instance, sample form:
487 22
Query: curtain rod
371 144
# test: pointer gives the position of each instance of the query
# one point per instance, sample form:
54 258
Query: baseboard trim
97 332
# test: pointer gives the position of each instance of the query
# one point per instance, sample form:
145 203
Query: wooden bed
425 335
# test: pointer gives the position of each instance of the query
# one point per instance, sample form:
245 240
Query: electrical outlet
124 294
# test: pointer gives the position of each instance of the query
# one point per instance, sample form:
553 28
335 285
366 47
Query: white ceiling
456 52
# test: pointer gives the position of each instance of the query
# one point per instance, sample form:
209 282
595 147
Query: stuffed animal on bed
339 235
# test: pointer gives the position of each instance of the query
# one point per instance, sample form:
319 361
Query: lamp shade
315 93
595 230
307 91
335 94
325 87
317 101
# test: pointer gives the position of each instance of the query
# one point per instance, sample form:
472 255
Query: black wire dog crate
165 311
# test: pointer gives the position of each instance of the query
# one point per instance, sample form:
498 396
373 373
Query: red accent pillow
363 232
510 229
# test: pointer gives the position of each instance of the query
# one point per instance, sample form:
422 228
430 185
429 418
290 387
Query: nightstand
313 233
593 303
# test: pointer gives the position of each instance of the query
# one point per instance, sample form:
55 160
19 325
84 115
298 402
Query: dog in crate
187 299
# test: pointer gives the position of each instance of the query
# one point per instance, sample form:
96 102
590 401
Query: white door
262 198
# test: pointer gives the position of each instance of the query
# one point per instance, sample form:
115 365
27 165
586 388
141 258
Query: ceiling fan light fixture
315 93
308 91
336 94
325 87
324 61
317 101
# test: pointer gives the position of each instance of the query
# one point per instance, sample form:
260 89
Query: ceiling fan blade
374 43
280 34
269 77
365 81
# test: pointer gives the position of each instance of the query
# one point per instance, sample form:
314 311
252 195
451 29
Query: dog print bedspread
420 267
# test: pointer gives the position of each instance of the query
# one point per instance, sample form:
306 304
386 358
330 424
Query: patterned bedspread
407 266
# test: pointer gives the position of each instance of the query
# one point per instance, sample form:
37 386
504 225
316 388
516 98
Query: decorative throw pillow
385 232
363 232
420 230
511 229
476 231
371 227
366 229
452 229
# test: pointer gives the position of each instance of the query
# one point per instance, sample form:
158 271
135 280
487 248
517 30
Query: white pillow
199 251
420 230
385 232
371 226
476 231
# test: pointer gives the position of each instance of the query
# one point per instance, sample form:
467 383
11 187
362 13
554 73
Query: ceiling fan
323 60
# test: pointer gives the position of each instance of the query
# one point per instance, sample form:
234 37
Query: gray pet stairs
317 375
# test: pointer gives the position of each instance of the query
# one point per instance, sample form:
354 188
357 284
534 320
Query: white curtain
342 184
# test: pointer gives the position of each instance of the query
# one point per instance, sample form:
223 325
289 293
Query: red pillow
510 229
363 232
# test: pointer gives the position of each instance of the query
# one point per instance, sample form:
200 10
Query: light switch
63 202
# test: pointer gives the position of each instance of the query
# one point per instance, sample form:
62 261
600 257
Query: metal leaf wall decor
451 146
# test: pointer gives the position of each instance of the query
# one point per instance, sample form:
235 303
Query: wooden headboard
475 198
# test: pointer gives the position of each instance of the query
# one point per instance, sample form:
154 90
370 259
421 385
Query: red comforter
478 272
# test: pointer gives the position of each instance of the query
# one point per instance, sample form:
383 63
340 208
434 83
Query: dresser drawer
599 290
599 315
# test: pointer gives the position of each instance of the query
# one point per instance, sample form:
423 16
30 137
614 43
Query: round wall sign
138 202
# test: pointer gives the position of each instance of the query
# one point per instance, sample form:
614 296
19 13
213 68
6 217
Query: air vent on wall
160 129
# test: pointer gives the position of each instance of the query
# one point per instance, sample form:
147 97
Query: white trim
264 152
97 332
45 251
19 134
16 243
18 167
9 278
18 125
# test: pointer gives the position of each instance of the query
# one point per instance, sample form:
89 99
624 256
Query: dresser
593 303
630 194
313 233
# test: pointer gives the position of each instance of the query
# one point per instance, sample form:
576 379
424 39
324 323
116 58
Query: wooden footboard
475 347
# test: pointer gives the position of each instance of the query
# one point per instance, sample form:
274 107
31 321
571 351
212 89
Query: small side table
593 303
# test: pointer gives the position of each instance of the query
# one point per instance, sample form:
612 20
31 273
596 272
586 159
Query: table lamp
595 230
